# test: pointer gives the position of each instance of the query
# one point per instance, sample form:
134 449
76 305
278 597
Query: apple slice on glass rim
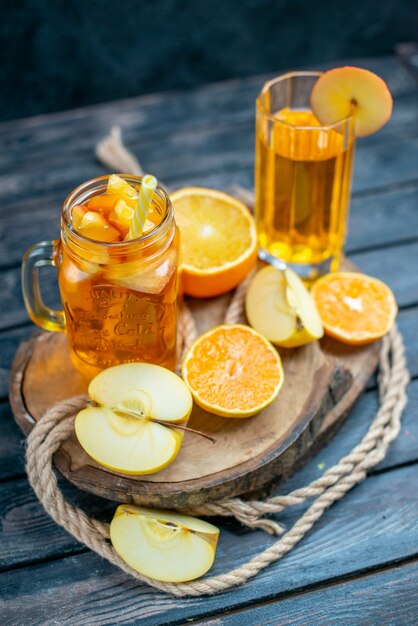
354 91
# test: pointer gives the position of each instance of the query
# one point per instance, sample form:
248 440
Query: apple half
280 307
169 547
120 429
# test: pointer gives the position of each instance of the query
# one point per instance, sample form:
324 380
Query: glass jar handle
39 255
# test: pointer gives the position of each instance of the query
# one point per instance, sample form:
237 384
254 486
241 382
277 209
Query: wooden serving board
322 381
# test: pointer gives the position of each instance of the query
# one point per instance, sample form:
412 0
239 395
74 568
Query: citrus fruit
346 91
233 371
354 308
279 306
218 239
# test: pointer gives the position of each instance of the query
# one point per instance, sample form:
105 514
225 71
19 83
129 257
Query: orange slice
354 308
233 371
218 239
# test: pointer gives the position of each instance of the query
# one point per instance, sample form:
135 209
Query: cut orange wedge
354 308
218 239
233 371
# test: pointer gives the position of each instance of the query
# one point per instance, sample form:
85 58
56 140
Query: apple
95 226
145 277
119 186
166 546
280 307
129 426
346 91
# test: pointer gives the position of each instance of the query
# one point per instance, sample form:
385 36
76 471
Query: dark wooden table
359 565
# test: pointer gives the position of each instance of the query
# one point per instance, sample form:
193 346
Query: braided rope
57 424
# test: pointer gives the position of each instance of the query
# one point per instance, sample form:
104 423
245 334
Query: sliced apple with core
162 545
354 91
122 429
280 307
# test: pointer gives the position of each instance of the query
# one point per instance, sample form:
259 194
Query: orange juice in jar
119 295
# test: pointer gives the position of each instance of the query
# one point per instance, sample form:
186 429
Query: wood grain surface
322 381
356 566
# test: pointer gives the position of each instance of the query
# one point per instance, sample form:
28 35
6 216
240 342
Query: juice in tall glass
303 178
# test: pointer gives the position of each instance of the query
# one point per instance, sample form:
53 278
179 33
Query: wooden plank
199 155
9 341
30 543
23 517
388 597
198 136
392 266
13 311
376 524
12 445
29 535
8 344
386 217
179 136
156 114
403 450
245 456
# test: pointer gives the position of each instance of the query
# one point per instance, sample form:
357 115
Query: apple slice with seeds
166 546
130 425
356 91
279 306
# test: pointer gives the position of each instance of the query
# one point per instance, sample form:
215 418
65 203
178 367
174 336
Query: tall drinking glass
302 178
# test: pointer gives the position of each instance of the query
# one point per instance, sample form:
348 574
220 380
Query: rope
112 153
57 424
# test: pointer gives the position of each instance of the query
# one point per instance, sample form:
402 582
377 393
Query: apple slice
74 274
120 429
142 275
103 203
96 227
122 215
120 187
165 546
77 214
279 306
352 90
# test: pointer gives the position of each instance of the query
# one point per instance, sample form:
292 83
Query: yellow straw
146 193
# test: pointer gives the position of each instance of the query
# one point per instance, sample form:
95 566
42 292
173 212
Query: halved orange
233 371
218 240
354 308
